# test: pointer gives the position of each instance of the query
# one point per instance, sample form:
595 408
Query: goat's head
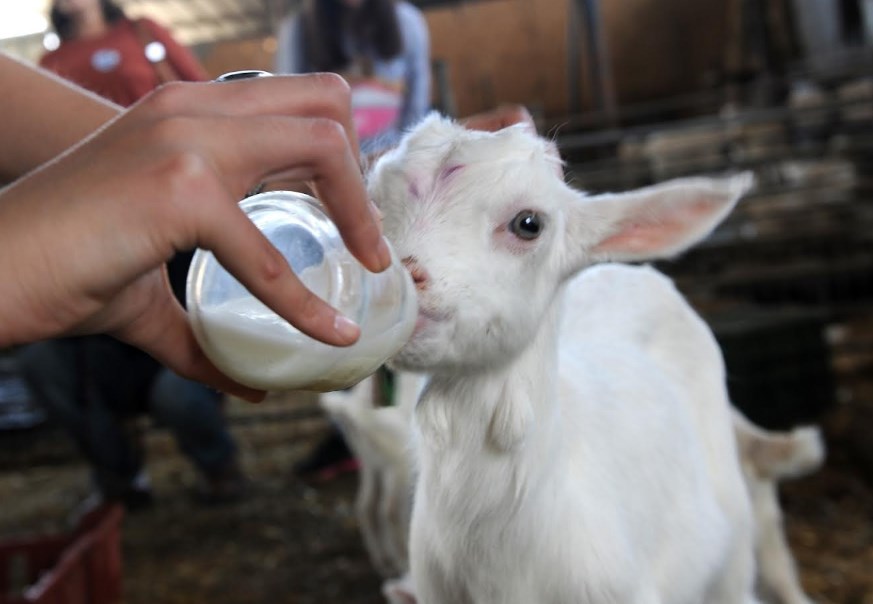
489 231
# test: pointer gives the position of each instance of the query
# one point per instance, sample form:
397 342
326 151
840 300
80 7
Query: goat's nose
418 274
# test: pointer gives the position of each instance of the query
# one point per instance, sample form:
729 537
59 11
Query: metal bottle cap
243 75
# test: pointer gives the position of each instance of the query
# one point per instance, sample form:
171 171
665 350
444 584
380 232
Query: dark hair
64 26
373 24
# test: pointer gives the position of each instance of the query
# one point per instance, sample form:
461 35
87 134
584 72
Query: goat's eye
526 225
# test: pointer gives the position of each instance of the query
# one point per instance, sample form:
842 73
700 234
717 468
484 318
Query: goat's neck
490 433
499 410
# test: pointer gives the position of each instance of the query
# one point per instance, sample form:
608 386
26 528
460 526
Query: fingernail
347 329
383 254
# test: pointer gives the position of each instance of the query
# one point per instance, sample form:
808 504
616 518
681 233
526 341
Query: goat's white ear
653 222
433 129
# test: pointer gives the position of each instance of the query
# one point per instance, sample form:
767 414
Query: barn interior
633 93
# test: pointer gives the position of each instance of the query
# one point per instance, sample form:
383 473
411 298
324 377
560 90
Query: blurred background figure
119 58
382 49
96 387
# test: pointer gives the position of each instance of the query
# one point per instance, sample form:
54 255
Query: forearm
43 116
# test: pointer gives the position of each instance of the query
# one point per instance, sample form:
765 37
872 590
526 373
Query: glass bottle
253 345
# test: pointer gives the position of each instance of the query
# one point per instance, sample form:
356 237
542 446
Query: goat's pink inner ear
632 238
657 230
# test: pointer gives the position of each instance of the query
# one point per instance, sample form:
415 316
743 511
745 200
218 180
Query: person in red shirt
119 58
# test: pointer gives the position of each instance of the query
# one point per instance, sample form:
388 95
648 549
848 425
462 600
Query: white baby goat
598 469
379 437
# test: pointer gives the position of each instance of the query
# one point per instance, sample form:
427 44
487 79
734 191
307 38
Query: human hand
85 238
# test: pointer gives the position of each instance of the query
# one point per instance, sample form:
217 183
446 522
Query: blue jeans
85 393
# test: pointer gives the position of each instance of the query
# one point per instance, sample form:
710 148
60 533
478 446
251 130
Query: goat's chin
444 346
431 350
417 355
403 362
439 359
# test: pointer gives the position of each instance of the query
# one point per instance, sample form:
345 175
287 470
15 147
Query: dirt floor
294 543
287 542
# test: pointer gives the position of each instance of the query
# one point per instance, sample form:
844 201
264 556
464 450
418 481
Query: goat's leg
777 574
367 509
395 523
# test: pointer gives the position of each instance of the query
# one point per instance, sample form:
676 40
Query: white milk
256 347
251 344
